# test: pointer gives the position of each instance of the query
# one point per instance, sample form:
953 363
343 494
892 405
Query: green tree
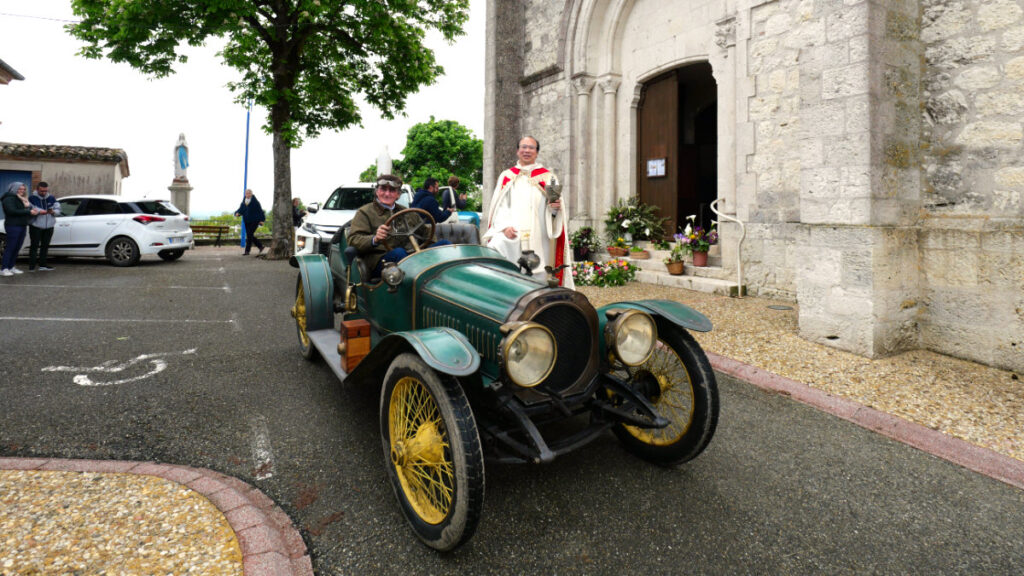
439 149
303 60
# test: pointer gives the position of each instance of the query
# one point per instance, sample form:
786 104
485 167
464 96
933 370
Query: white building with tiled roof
67 169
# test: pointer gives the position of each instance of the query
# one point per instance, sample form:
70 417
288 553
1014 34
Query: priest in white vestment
521 218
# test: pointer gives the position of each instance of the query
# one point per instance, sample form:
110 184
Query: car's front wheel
123 251
171 255
306 347
432 452
677 379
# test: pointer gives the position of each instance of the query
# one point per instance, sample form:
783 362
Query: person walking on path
17 213
40 230
253 217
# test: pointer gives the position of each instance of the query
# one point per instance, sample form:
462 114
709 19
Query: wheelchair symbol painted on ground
157 362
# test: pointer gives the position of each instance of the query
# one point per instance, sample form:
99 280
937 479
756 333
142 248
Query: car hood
335 218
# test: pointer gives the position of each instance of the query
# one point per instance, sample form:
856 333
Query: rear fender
319 290
668 310
443 349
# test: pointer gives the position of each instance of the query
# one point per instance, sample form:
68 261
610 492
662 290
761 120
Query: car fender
318 290
669 310
443 349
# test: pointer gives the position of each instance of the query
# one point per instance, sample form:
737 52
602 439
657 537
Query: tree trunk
282 233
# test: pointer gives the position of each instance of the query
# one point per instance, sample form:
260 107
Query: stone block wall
972 233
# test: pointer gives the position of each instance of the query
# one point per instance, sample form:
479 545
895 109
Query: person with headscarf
17 213
253 217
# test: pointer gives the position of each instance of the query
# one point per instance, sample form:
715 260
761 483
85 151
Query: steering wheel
416 224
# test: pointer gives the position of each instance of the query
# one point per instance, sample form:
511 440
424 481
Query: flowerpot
700 258
675 268
640 255
617 252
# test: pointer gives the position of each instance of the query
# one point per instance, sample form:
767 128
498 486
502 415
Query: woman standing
17 212
253 216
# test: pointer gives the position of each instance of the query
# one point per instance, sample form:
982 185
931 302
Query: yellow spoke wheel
299 312
432 452
420 451
678 382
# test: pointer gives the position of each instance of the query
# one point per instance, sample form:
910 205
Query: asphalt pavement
189 372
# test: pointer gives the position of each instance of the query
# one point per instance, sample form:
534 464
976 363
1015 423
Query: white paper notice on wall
656 168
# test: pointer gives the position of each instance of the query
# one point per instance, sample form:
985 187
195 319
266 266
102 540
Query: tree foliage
306 61
438 149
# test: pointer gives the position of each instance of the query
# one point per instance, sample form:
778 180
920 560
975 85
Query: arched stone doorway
677 144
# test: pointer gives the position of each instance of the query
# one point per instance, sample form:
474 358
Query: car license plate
173 240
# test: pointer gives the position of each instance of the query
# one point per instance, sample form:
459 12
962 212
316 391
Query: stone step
712 278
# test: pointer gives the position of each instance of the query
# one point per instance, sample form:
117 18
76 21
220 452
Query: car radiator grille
574 341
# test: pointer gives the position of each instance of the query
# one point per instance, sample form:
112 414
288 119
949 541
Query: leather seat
457 233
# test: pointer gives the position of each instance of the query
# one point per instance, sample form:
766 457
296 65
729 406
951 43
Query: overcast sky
68 100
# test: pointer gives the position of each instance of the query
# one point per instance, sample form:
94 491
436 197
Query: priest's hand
510 233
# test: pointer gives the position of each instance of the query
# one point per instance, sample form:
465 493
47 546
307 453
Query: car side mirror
313 207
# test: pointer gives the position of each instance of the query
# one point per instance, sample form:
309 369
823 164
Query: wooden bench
209 231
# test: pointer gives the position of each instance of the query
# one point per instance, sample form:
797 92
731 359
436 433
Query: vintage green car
479 358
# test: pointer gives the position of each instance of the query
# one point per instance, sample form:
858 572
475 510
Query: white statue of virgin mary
181 159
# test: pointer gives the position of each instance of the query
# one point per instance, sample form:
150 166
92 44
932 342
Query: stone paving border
970 456
270 544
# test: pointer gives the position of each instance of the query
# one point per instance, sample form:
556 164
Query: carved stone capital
725 33
609 84
583 85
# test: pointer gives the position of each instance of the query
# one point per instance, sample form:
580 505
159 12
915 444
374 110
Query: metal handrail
739 246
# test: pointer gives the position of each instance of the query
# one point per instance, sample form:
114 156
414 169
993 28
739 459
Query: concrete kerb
960 452
269 542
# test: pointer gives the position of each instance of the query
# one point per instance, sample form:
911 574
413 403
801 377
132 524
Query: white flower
625 223
647 231
691 217
689 229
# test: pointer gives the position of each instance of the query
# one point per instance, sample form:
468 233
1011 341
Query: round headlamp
631 335
392 274
529 353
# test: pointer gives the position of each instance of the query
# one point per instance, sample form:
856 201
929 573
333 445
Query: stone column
504 69
610 86
583 200
181 192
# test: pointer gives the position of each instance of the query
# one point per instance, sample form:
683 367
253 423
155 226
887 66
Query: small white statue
384 162
181 159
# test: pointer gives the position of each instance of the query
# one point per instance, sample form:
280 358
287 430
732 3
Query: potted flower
634 220
584 243
674 260
618 247
697 240
638 253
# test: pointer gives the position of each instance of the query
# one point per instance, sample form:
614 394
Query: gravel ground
86 523
973 402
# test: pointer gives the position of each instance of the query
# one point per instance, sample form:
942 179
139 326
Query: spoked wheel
306 347
413 223
432 452
679 382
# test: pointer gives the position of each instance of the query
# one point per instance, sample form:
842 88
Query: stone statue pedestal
181 192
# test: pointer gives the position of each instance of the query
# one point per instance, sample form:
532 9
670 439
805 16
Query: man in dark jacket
253 217
426 199
368 230
40 229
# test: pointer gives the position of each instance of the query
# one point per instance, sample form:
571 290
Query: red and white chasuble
519 201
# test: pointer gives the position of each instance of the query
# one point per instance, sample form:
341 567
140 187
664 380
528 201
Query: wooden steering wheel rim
427 220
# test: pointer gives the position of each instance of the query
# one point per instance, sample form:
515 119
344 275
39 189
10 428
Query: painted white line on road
101 287
227 288
262 455
111 367
235 324
139 320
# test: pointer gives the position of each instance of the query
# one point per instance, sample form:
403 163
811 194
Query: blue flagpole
245 172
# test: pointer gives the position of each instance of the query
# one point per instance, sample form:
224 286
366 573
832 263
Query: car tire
171 255
123 251
678 380
306 347
432 452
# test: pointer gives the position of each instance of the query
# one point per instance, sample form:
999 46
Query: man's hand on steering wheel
416 224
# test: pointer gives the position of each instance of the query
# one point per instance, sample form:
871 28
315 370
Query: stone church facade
873 149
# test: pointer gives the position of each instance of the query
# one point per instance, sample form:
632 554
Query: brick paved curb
270 544
970 456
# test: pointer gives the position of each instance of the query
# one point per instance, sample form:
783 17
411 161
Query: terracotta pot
617 252
700 258
675 268
641 255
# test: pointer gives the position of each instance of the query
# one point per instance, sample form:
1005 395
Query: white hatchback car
322 222
119 229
